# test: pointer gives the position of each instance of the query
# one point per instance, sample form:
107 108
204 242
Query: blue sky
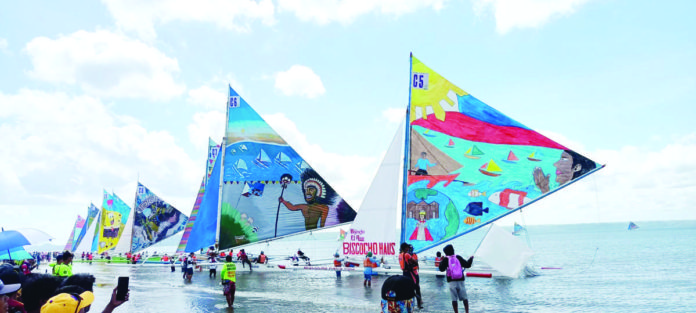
96 95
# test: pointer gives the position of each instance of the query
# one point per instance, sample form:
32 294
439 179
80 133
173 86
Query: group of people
49 293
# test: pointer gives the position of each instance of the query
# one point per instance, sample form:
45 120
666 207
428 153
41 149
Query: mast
407 138
222 168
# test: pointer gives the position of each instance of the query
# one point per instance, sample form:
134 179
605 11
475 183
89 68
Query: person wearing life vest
455 265
438 258
262 259
409 266
369 262
338 262
229 279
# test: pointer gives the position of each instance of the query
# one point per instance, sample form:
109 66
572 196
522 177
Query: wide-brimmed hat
5 289
68 302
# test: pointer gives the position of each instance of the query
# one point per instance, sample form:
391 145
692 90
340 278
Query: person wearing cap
6 290
12 277
68 303
369 262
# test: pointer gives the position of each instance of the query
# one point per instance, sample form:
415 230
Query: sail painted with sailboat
268 190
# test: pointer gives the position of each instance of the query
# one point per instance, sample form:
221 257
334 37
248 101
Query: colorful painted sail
511 158
113 221
154 219
213 149
92 213
88 240
473 153
632 226
437 205
75 233
203 231
280 199
518 229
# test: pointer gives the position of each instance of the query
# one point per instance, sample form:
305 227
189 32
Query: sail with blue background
92 213
463 171
213 149
204 229
632 226
154 219
114 215
269 191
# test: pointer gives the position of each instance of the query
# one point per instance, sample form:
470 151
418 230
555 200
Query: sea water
598 268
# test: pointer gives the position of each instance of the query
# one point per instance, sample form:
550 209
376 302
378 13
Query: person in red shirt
409 266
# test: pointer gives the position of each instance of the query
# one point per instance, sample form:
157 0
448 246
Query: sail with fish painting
430 187
267 191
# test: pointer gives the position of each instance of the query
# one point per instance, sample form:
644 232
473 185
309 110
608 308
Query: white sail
375 226
124 243
504 252
86 243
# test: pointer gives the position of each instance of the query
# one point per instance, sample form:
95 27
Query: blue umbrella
22 237
17 253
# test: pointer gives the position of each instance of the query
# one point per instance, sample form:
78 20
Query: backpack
454 268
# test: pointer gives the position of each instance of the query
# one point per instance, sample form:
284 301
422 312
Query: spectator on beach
7 291
397 294
369 262
338 262
262 259
79 284
438 258
56 266
229 279
212 267
455 265
409 266
65 269
37 289
190 264
11 277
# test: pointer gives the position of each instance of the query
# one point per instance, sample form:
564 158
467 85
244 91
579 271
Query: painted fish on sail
449 115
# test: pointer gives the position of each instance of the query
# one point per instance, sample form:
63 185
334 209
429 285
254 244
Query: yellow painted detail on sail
438 88
492 167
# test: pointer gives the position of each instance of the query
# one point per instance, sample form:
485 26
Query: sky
98 95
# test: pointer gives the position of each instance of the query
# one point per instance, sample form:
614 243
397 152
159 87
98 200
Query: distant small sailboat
262 160
511 158
301 166
518 229
534 157
473 153
491 169
283 159
450 144
632 226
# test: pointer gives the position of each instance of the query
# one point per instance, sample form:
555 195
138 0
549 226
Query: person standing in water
229 280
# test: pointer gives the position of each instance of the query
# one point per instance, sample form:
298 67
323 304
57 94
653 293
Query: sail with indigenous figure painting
447 171
267 189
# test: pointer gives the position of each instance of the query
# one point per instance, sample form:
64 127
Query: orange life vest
437 261
368 263
262 258
337 263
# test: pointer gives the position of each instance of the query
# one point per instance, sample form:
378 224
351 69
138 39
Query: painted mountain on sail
440 201
154 219
268 190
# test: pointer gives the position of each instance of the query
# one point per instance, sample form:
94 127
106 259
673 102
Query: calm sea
603 268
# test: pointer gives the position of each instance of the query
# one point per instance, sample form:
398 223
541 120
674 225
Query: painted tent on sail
449 193
113 221
92 213
282 197
154 219
213 149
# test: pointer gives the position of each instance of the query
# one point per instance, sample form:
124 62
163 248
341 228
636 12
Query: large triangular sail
284 199
374 229
112 223
502 251
441 204
202 234
213 149
92 213
72 239
154 219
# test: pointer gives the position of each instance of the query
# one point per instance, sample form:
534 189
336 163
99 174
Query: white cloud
394 115
206 125
349 175
510 14
346 11
207 97
3 44
107 64
232 15
299 80
59 151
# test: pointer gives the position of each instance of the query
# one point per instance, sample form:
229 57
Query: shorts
404 306
228 287
368 276
457 290
189 271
